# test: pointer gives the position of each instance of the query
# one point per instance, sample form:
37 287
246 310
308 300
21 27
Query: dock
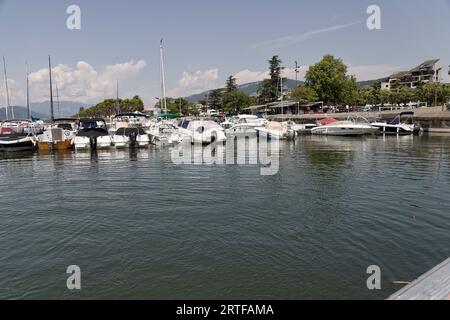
433 285
431 119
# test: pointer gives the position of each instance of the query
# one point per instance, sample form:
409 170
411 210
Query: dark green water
141 227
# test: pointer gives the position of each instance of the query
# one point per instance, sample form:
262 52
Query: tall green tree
329 79
235 101
270 89
231 84
304 95
215 99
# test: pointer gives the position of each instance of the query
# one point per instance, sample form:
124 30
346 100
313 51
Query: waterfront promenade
432 119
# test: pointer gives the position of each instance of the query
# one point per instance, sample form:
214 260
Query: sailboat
163 132
13 140
59 134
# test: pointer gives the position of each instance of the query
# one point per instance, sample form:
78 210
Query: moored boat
351 127
128 130
11 141
201 131
397 126
92 134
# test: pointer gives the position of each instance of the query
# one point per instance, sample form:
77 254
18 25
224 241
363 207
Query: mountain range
41 110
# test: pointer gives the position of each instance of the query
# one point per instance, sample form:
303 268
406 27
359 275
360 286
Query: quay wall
432 119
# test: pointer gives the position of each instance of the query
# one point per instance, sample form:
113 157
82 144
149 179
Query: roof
424 65
131 114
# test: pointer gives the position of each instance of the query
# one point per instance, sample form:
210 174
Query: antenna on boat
8 102
163 77
51 89
28 93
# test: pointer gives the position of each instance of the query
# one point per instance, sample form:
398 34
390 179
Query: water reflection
330 152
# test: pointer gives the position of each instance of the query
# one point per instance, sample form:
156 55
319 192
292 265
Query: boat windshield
88 125
130 131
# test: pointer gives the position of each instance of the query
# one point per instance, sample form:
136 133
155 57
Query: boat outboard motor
416 129
93 142
133 137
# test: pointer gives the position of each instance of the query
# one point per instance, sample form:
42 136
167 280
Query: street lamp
297 70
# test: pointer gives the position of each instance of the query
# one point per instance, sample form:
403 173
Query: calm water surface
140 226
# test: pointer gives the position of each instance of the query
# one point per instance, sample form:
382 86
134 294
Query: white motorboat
396 126
164 133
131 137
276 130
92 134
303 128
201 131
351 127
128 130
243 125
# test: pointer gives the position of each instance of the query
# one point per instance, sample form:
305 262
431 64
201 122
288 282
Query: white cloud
16 93
82 83
248 76
297 38
196 82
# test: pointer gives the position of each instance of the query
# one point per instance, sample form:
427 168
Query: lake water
140 226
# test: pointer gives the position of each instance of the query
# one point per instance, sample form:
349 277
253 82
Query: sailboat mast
163 78
51 89
57 99
28 94
117 98
8 102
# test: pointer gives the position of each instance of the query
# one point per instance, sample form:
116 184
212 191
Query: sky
205 41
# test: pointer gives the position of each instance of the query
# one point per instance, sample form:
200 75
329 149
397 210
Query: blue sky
206 41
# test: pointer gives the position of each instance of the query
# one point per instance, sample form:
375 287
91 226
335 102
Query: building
427 72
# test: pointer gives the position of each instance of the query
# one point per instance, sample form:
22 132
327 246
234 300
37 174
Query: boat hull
395 129
19 145
344 130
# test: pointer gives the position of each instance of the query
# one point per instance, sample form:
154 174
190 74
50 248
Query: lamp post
297 70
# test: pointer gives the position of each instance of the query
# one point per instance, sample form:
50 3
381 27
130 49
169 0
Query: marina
214 160
337 205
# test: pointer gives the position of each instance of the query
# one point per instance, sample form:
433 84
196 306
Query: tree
106 108
304 95
265 91
329 79
269 90
215 99
178 106
231 84
235 101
